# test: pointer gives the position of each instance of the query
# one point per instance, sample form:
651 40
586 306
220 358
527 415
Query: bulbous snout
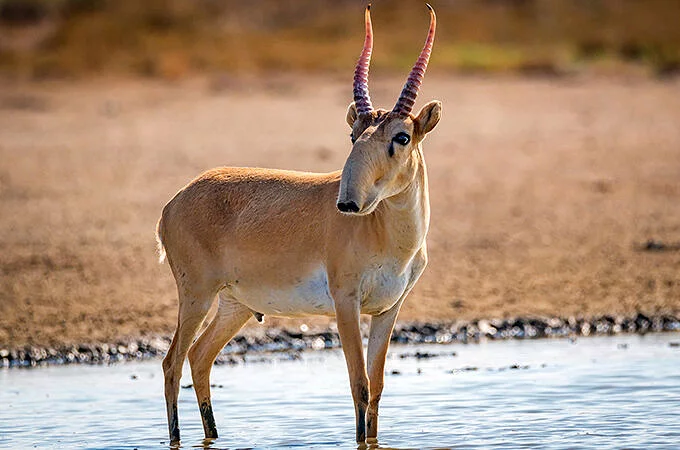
356 182
348 207
350 198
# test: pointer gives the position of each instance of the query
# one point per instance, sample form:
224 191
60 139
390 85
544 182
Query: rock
290 343
653 246
318 344
670 323
642 322
487 329
444 337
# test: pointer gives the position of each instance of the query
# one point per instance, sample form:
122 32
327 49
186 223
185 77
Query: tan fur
259 237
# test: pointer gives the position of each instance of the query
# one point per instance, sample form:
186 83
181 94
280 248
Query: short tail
159 242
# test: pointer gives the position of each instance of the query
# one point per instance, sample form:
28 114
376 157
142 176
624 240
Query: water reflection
620 392
211 444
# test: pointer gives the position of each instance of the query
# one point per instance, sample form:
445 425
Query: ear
428 117
352 114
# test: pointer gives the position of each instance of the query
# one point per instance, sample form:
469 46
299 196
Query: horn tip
428 6
368 7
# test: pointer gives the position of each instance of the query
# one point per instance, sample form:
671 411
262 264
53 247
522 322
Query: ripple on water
617 392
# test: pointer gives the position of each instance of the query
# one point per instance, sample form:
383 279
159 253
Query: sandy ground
542 192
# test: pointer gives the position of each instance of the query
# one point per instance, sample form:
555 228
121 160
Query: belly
303 296
380 288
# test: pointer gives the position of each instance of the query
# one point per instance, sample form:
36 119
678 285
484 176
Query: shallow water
602 392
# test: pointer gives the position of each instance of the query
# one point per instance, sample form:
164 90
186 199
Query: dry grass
174 39
540 192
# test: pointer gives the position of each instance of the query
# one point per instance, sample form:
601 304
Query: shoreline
277 342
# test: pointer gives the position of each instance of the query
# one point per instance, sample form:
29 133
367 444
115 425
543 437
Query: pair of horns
408 95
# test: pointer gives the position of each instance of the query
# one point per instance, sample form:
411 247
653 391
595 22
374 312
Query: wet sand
550 198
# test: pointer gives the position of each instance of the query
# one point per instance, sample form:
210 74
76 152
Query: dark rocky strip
287 343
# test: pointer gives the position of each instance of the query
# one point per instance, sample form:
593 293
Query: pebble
288 344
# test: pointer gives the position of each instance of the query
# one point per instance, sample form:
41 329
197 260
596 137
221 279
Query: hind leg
193 308
230 317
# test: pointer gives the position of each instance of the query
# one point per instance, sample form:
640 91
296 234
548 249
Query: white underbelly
308 295
379 289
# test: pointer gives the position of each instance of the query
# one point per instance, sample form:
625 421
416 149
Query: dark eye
351 137
401 138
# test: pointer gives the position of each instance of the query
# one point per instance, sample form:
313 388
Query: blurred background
554 173
176 38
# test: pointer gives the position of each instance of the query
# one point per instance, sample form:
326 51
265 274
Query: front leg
378 343
347 310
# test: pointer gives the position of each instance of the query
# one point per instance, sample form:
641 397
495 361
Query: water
604 392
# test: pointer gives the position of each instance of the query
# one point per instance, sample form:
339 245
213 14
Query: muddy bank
281 343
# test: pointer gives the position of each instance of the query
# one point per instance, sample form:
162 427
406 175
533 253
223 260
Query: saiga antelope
290 244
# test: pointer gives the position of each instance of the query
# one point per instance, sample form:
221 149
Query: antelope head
386 151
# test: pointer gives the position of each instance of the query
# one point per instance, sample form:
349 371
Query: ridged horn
409 94
361 98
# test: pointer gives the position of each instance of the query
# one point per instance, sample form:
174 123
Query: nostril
348 207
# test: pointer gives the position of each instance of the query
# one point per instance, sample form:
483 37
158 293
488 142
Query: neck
405 216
